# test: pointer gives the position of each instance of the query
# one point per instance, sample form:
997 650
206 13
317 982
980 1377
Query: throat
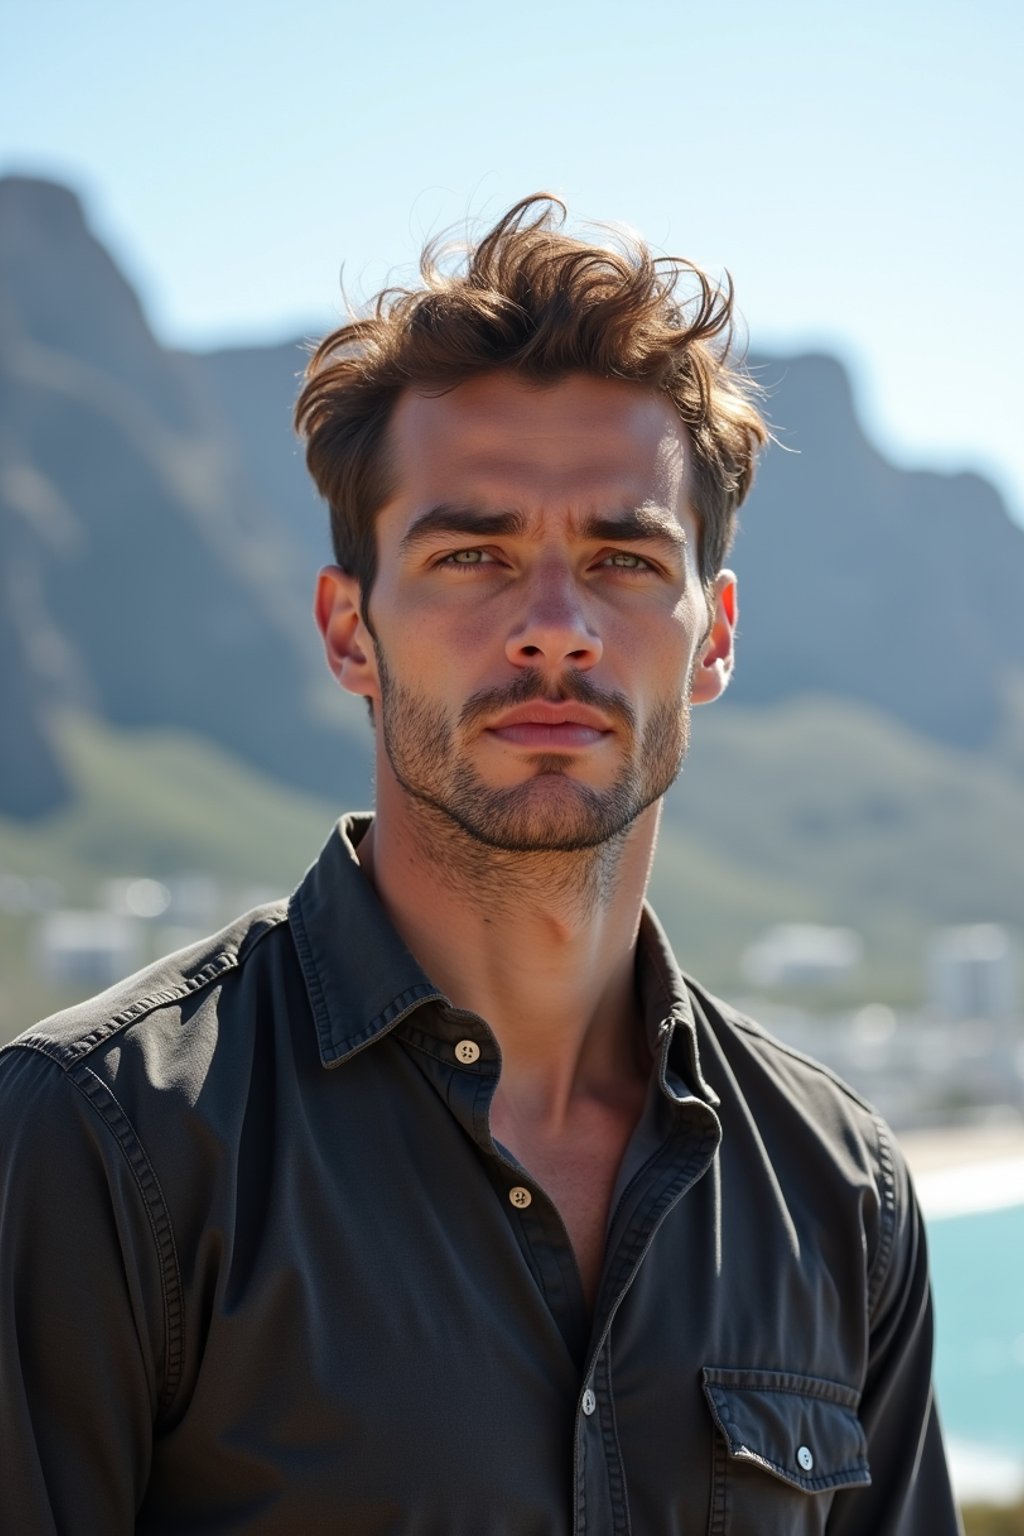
577 1168
572 885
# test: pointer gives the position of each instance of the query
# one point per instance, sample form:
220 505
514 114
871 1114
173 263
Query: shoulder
115 1120
168 984
749 1052
818 1132
153 1035
132 1101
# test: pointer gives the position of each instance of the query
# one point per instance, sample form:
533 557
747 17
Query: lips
545 713
547 727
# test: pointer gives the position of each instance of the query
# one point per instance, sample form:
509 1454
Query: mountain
141 574
902 590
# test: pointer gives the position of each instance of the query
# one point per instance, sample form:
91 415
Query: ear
348 644
715 661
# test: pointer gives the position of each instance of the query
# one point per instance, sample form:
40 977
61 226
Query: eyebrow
446 518
634 525
647 525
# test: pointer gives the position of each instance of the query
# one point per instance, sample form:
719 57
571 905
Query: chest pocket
785 1443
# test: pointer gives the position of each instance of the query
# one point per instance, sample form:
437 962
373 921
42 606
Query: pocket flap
802 1429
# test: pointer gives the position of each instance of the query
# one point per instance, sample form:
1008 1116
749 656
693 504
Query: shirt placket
601 1505
465 1065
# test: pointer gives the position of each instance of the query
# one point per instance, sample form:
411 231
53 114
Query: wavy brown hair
534 300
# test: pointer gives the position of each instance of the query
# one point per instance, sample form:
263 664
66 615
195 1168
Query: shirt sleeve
910 1492
81 1325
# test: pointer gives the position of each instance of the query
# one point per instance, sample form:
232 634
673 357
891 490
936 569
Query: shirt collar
361 979
668 1010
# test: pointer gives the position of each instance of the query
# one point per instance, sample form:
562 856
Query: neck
541 945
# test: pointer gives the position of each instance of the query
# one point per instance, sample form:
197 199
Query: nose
553 630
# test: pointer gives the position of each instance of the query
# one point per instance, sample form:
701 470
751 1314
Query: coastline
963 1169
983 1476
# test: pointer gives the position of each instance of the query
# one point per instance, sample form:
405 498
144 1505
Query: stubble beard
551 811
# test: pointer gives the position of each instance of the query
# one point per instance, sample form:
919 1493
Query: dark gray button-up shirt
265 1270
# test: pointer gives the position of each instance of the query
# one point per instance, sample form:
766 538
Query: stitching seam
880 1266
120 1127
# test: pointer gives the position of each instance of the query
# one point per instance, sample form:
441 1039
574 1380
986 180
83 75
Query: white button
589 1402
805 1459
520 1197
467 1051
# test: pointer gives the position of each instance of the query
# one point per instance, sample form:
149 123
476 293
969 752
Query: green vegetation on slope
824 811
151 804
159 803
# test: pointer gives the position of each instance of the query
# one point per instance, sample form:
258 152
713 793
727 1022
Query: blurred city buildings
959 1057
973 974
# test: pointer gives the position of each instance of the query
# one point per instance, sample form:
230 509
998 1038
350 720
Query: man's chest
393 1343
578 1173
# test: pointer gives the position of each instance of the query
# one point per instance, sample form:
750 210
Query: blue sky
855 167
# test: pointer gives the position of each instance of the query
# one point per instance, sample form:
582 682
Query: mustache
530 685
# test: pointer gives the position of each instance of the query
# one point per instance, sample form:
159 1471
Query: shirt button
467 1051
805 1459
589 1402
520 1197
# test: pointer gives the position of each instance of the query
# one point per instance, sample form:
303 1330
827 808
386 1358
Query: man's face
539 623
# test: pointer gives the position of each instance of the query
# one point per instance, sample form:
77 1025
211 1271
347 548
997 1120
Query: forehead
582 442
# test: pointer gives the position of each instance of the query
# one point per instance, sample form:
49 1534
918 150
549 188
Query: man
437 1200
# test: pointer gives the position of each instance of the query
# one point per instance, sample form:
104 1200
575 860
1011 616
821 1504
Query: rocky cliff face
902 590
141 576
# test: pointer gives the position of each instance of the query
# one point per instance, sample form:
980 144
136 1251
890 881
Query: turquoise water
978 1278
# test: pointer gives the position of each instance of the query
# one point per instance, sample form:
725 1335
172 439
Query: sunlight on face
537 611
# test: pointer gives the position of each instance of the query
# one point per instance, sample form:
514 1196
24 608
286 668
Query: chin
548 814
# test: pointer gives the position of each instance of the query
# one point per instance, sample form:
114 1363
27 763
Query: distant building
803 955
87 949
973 974
134 896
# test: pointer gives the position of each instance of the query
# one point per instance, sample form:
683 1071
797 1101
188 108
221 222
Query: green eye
626 560
467 557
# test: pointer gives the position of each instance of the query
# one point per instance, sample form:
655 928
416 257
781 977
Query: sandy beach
967 1168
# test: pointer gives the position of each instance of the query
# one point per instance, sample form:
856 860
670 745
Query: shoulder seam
219 964
750 1027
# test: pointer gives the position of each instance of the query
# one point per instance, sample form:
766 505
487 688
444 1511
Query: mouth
547 727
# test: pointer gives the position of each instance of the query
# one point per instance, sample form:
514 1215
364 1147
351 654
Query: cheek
692 623
662 644
473 633
462 631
